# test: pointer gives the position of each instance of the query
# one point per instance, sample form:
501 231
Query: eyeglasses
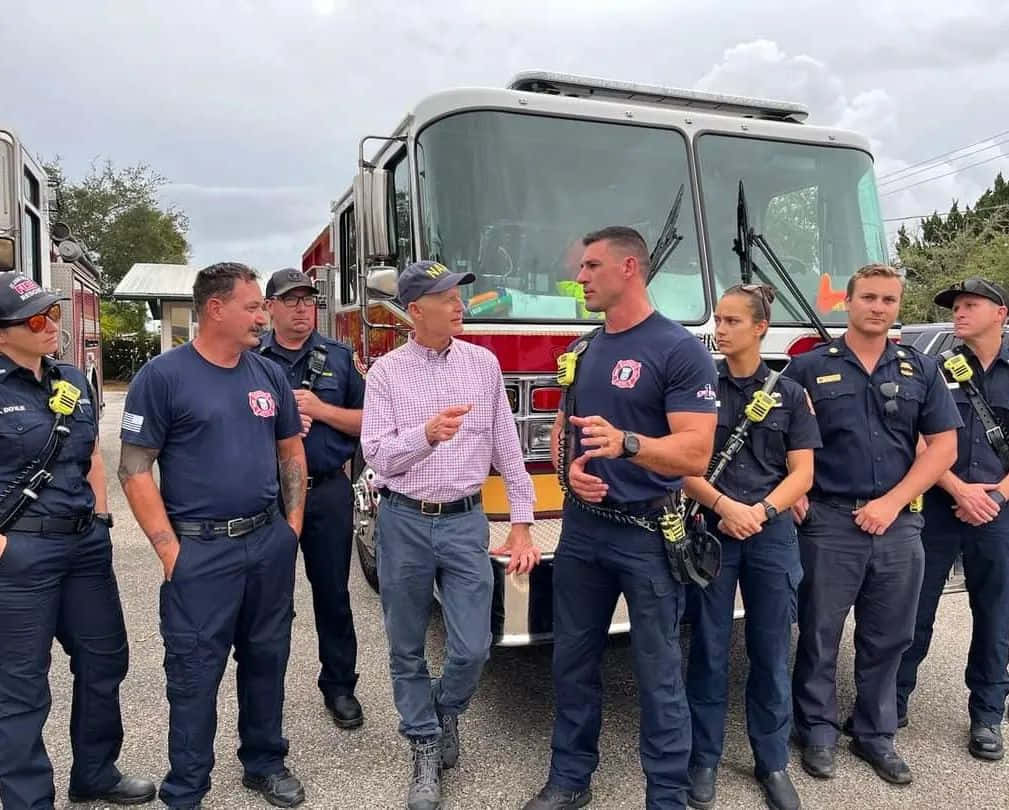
291 301
36 323
889 390
978 286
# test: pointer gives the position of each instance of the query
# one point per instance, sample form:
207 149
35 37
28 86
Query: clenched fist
445 425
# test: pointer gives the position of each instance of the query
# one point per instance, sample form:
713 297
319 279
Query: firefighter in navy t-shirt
644 394
223 425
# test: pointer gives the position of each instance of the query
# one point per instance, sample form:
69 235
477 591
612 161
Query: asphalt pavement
506 733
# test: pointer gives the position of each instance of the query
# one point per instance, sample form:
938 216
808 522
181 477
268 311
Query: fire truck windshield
509 197
816 205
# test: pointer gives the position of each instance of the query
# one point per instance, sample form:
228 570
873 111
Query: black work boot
985 741
779 792
552 797
128 790
425 784
281 789
702 788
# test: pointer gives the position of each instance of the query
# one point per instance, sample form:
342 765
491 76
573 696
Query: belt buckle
232 532
424 508
995 432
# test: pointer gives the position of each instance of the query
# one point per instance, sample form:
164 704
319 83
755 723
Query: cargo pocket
181 666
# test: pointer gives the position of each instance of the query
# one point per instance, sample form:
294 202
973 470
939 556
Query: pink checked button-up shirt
411 384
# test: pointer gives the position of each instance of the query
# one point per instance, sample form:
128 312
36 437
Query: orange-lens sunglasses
36 323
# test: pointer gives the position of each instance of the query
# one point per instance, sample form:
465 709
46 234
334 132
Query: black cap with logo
283 281
972 286
21 297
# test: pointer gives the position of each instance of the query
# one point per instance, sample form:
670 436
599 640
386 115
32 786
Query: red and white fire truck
505 182
45 250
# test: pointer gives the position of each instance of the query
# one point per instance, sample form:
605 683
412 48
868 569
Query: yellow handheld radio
759 407
64 398
959 368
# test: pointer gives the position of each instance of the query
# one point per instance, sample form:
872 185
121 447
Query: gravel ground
506 733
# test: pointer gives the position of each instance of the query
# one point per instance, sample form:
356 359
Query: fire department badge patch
262 404
626 373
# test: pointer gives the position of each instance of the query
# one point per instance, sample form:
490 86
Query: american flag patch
132 422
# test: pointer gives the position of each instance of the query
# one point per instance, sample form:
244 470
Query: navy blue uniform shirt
868 447
633 379
216 429
25 424
340 384
760 466
976 462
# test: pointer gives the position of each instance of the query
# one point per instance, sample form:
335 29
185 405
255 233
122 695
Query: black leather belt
639 508
847 504
431 508
317 480
236 527
73 524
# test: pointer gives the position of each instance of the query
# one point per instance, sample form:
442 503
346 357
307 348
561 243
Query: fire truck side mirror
372 190
6 254
382 282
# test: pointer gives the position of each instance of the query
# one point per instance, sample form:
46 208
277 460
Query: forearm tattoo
292 483
159 539
135 460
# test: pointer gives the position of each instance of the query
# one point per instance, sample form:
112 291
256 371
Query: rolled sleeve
507 459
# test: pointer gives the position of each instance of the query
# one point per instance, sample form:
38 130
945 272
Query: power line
946 215
940 176
944 154
937 165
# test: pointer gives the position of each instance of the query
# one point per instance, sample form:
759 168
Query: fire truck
505 182
33 243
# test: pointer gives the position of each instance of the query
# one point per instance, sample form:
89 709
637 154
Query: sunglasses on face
889 391
37 323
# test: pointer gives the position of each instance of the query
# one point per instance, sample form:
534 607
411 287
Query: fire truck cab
46 251
505 182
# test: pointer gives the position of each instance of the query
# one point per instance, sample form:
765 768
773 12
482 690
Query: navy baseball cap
422 278
283 281
21 297
972 286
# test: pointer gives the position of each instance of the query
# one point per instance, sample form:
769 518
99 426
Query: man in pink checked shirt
436 417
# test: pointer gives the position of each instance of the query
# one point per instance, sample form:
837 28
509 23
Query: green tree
116 214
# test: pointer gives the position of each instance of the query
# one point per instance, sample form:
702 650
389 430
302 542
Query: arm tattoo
158 539
292 483
135 460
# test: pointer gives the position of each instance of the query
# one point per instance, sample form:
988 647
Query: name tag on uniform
327 374
828 378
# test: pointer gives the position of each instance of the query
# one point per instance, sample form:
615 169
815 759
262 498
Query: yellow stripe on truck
548 495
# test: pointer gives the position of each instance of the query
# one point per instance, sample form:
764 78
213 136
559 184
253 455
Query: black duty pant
986 568
227 593
881 576
326 545
59 586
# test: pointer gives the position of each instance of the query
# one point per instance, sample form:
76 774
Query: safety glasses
291 301
889 392
37 323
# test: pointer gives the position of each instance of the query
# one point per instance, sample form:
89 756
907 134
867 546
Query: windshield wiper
668 240
743 244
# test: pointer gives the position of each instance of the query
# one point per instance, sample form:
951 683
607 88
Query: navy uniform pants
880 575
326 545
986 567
596 561
767 569
416 552
63 587
224 593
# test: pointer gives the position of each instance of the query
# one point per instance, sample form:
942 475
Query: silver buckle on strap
430 509
234 532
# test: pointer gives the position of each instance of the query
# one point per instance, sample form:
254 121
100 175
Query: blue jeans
415 552
596 561
986 568
767 569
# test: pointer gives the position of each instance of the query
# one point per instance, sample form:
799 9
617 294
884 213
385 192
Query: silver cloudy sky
252 108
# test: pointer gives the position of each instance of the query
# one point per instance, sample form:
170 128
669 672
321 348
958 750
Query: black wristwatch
769 509
997 496
632 445
105 517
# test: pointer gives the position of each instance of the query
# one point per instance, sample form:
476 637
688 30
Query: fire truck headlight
6 254
539 435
